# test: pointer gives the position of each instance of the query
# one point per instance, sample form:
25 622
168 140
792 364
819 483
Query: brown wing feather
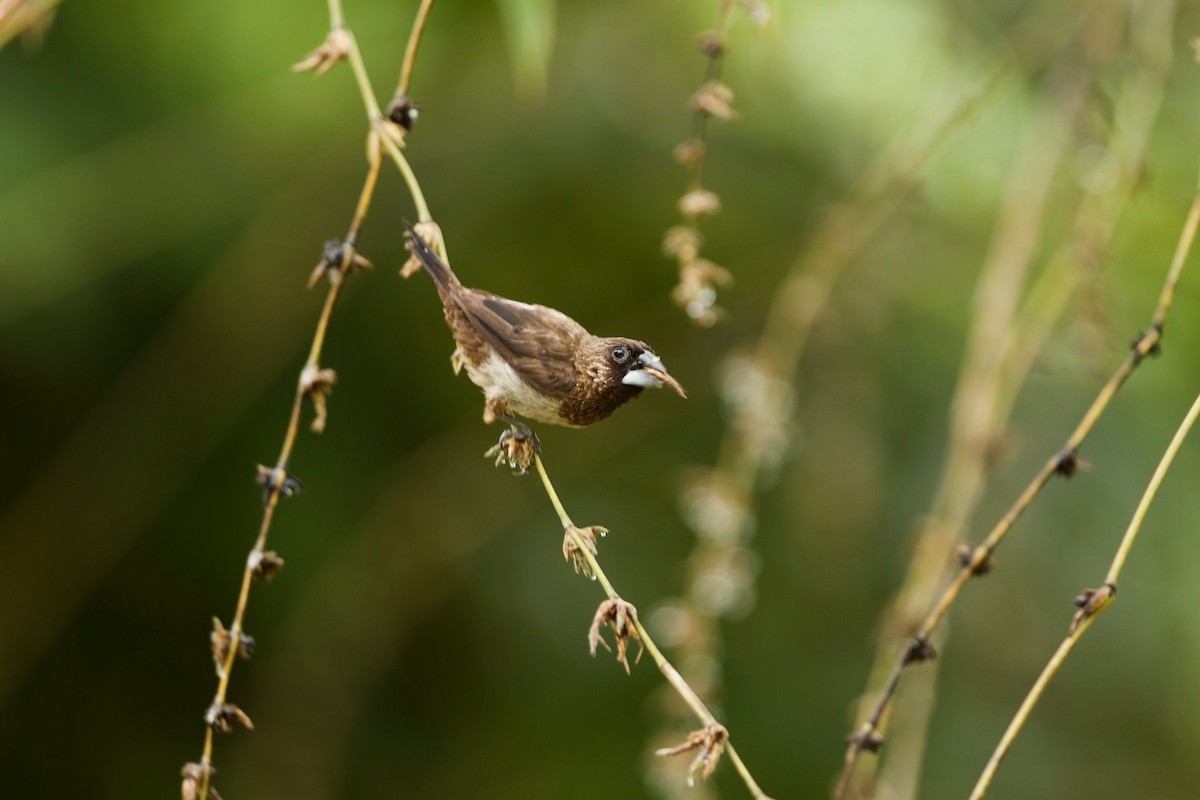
538 342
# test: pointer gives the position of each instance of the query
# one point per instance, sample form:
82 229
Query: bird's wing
538 342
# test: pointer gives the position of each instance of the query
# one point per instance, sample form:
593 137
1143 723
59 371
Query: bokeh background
165 188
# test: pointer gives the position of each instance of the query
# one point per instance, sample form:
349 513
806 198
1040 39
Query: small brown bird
535 362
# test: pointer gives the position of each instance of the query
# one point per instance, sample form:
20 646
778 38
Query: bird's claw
517 448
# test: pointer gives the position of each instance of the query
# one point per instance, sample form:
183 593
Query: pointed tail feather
439 270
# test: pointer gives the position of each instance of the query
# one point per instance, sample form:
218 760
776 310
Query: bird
535 362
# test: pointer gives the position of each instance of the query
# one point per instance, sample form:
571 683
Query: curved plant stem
277 484
276 481
361 79
977 416
389 134
410 178
410 52
1062 462
745 450
1090 609
669 672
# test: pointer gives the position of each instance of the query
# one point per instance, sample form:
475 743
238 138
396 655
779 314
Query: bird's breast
503 386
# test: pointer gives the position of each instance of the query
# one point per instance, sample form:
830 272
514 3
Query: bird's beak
649 372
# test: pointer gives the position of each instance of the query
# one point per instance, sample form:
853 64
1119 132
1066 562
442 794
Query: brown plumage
535 362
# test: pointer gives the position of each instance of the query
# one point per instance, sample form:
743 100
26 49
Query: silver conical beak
649 372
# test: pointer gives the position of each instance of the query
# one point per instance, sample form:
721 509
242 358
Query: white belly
500 382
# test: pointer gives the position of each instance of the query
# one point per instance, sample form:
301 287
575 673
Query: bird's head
609 372
634 364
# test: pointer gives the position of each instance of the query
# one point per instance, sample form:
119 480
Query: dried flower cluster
338 258
315 384
709 741
194 776
404 112
571 551
222 641
700 278
620 616
222 716
335 48
1091 602
966 557
264 565
516 449
277 481
761 404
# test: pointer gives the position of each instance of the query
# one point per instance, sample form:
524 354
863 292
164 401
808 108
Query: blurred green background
165 188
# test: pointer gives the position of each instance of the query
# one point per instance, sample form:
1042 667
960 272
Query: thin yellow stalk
276 485
1090 609
276 482
669 672
410 52
1062 461
1143 99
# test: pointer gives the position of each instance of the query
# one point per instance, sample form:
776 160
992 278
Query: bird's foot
517 448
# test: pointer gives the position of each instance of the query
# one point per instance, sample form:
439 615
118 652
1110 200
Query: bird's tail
438 269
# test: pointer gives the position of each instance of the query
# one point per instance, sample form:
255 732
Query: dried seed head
966 555
711 44
313 379
1091 602
221 717
335 48
1066 463
866 738
700 305
404 112
277 480
1139 345
338 258
682 242
703 272
714 99
264 565
393 132
710 741
193 778
620 615
571 552
699 202
919 649
757 11
221 640
515 450
316 384
696 291
332 255
690 152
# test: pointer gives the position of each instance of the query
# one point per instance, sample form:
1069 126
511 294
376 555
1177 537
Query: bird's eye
620 354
